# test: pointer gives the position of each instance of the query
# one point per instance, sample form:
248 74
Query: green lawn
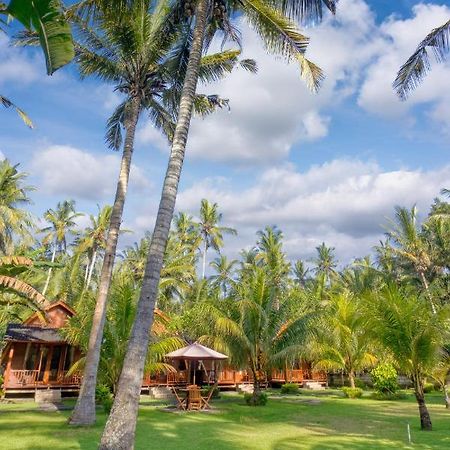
291 422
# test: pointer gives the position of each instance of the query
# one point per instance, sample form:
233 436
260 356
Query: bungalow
36 356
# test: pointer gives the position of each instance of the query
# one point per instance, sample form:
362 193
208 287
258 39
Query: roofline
49 307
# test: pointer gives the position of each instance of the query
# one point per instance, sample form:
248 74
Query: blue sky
327 167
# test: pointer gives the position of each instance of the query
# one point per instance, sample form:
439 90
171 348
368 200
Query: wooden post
47 365
8 366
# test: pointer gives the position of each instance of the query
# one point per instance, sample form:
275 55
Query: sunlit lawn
292 422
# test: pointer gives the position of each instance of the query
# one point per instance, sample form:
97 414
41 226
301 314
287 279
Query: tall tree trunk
120 428
427 290
84 412
205 249
49 274
425 420
351 378
91 269
446 397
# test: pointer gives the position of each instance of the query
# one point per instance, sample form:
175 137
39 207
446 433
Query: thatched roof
196 352
23 333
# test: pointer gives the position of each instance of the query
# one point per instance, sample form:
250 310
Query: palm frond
418 65
22 114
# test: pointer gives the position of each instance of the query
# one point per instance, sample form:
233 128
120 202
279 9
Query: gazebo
197 353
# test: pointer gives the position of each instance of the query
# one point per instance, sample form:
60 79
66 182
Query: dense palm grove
262 309
385 313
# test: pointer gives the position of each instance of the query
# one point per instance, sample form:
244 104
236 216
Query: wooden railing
23 377
30 378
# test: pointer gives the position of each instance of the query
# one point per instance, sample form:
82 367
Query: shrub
428 387
388 395
352 392
384 378
2 391
102 393
259 400
290 388
360 384
107 404
207 389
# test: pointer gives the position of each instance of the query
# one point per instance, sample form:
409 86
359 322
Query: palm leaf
22 288
22 114
418 65
46 17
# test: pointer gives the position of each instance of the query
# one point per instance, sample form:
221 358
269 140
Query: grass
287 422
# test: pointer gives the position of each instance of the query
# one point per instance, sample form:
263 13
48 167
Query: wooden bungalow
36 355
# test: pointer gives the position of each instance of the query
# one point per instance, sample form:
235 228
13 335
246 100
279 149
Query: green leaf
46 17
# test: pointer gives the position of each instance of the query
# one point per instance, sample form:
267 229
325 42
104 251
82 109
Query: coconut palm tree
413 335
410 245
62 223
209 229
418 64
300 272
280 35
325 262
253 329
93 239
224 272
141 55
344 339
14 220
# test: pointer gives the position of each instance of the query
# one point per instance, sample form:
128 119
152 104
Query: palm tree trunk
84 412
446 397
91 269
205 249
49 274
120 428
351 378
425 420
427 290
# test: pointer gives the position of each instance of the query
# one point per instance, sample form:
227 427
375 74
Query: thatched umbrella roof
196 352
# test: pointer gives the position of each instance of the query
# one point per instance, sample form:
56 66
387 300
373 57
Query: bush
206 390
352 392
428 388
360 384
384 378
259 400
107 404
102 393
388 395
2 392
290 388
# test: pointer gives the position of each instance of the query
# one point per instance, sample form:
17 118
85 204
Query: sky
327 167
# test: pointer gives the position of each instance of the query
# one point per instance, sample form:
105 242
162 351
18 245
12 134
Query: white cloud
15 65
69 171
273 110
401 37
343 203
2 156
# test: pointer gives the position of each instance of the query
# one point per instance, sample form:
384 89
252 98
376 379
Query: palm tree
300 272
13 196
410 245
413 335
120 316
258 333
344 340
62 222
139 53
270 255
209 229
325 262
280 35
418 65
94 239
223 277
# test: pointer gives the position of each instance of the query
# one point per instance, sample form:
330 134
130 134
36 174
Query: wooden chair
181 402
207 399
194 397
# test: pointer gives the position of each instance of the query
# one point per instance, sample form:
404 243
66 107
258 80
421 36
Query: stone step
313 385
161 393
